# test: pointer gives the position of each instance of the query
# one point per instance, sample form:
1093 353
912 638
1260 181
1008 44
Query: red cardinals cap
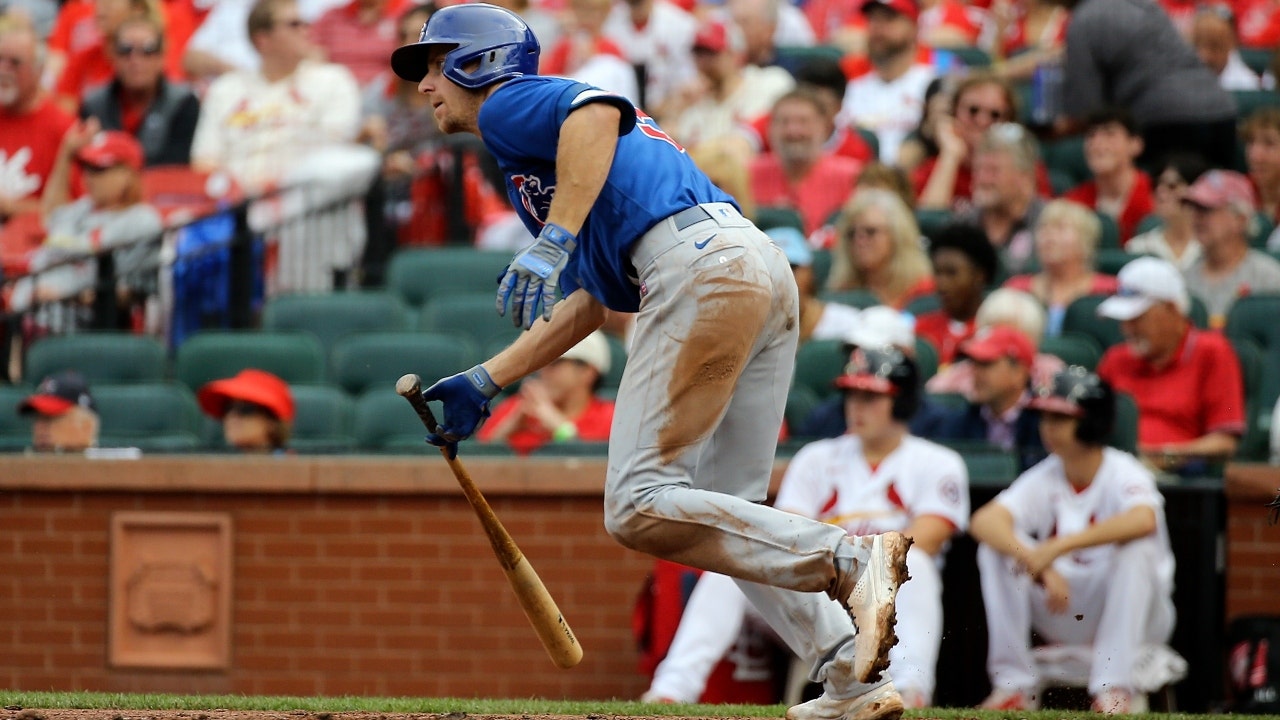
1219 188
1001 341
57 394
908 8
255 386
718 36
110 148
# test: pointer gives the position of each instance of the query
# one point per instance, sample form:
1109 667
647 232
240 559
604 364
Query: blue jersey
651 179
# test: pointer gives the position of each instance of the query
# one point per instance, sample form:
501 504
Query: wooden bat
538 605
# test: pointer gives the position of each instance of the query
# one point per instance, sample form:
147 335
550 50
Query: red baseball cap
713 35
1000 341
1218 188
255 386
908 8
57 394
110 148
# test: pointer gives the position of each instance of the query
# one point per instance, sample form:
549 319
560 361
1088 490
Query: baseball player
625 221
875 478
1077 549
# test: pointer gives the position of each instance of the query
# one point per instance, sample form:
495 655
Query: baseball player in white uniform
1076 549
875 478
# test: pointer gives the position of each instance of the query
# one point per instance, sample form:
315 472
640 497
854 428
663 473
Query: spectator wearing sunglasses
139 100
255 408
945 180
93 65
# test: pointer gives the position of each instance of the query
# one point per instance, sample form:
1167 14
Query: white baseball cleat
871 605
881 703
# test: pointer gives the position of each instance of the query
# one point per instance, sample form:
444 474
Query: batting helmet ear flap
1077 392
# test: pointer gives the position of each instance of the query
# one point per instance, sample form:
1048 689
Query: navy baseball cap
57 394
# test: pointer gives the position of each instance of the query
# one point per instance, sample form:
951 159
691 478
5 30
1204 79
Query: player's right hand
533 277
466 399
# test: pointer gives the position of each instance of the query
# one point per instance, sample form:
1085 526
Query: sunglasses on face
149 50
14 61
247 409
975 112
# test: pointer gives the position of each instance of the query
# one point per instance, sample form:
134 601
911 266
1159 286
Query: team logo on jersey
535 196
649 128
950 491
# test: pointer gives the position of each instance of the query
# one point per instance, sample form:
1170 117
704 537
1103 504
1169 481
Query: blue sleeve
522 119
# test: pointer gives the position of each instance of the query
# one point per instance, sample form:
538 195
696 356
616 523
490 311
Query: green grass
143 701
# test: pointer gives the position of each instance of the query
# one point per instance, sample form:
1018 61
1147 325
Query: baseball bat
539 607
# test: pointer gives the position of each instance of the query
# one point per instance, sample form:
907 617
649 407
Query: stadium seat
1249 101
926 359
296 357
468 315
1066 156
375 360
1110 238
155 417
1074 349
324 417
931 221
1148 223
986 464
617 363
797 56
1109 260
1253 445
924 304
1125 433
778 216
974 57
1265 226
420 275
384 421
1253 320
801 400
821 267
859 298
574 448
103 358
1258 59
331 316
871 139
15 430
948 400
818 363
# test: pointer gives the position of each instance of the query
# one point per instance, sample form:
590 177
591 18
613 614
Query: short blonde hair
1084 221
1014 308
909 262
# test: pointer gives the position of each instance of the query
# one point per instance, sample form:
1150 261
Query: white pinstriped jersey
1044 505
830 480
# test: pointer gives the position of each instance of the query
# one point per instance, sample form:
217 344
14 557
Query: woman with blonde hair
877 248
1066 237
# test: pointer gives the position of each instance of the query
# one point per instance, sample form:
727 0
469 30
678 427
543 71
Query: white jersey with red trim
889 109
831 481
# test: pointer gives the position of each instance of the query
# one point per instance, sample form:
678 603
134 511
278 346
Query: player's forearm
574 318
930 532
1132 524
584 156
992 526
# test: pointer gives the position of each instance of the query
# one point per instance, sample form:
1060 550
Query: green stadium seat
778 216
948 400
1253 320
1074 349
1253 445
296 357
324 418
1066 156
986 464
1110 238
384 422
858 298
1060 181
801 400
974 57
1250 101
102 357
1124 435
420 275
926 359
155 417
1265 226
1258 59
796 56
15 430
332 316
1109 260
617 363
924 304
931 221
1148 223
818 363
871 139
821 267
376 360
468 315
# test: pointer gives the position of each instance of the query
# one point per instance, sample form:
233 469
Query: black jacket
168 127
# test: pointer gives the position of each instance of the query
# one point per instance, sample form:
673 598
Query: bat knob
409 385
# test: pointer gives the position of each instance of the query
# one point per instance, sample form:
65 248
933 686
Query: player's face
869 415
958 281
1058 432
456 108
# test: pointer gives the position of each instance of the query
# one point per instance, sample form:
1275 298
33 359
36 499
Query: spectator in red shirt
31 127
559 404
1259 24
877 249
161 114
1112 144
360 35
1066 241
798 172
1185 381
964 264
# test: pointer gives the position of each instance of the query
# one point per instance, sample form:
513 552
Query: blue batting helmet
496 38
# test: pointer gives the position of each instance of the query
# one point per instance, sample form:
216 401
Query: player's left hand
466 399
1041 557
1057 591
533 277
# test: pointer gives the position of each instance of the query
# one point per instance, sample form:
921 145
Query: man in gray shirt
1224 211
1127 53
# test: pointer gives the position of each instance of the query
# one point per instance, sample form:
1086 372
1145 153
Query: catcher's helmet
886 370
497 38
1081 394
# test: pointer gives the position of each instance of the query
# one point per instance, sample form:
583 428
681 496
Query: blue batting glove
466 399
533 277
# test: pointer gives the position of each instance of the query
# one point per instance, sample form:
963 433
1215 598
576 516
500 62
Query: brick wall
1253 543
365 576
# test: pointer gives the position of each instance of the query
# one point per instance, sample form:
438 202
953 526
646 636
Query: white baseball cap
881 325
593 350
1143 283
